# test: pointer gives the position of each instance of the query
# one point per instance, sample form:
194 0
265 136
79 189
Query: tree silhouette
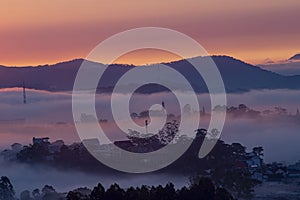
97 193
25 195
131 194
114 193
36 194
75 195
223 194
258 151
202 186
6 189
49 193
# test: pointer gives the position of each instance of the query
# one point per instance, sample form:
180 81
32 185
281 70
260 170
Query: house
275 171
253 164
40 141
253 161
294 170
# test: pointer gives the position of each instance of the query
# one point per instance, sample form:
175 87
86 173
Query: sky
37 32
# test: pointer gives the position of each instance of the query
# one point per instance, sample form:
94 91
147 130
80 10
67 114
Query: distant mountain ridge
295 57
237 75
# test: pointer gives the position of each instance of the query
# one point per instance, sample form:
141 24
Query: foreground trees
6 189
200 188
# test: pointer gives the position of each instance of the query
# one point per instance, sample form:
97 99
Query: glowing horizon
47 32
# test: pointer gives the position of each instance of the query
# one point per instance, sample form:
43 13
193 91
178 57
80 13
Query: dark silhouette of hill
295 57
237 75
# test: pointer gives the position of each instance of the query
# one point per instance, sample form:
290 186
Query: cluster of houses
268 172
11 154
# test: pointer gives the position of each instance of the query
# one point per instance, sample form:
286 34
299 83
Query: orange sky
37 32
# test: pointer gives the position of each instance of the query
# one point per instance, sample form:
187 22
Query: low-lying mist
27 177
50 114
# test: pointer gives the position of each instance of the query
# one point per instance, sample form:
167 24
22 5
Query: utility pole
203 110
163 104
146 124
24 93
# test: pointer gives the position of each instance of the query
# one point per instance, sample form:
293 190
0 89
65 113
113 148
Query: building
275 171
254 163
294 170
40 141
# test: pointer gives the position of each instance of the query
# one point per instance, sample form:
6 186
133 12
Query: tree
223 194
240 181
73 195
98 192
202 187
168 132
157 192
170 192
183 194
144 192
238 149
201 132
49 193
214 133
36 194
33 153
25 195
258 151
6 189
243 108
131 194
114 193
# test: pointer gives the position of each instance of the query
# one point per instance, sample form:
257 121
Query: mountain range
237 75
287 67
295 57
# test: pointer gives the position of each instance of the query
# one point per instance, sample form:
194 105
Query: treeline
200 188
